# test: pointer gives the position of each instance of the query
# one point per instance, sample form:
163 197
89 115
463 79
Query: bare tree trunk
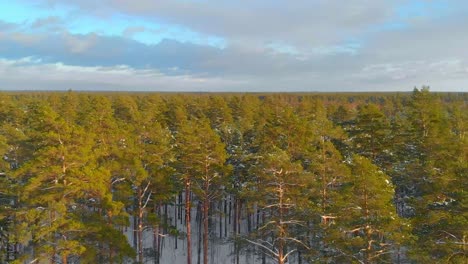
101 247
199 224
230 208
109 223
159 247
220 219
258 217
156 236
367 229
235 216
236 226
165 219
177 212
176 209
54 249
239 209
280 257
249 223
205 209
140 228
324 178
155 244
139 220
187 219
64 259
263 252
281 234
135 236
179 208
225 217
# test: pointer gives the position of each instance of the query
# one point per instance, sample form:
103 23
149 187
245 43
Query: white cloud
79 44
31 74
130 31
270 46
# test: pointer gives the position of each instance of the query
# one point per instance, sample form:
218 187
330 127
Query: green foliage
368 220
339 178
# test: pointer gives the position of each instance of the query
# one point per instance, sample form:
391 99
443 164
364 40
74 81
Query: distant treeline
316 178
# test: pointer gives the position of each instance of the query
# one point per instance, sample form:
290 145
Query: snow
221 246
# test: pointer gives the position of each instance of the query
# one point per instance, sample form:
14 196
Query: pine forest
91 177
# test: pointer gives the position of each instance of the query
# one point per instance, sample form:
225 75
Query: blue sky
208 45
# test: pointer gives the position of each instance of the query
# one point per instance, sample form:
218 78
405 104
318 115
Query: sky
240 46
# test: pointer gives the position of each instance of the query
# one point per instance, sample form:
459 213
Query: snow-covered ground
221 247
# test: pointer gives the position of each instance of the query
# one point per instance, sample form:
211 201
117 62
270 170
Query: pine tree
202 160
370 134
97 115
144 154
439 169
279 191
327 173
368 219
54 182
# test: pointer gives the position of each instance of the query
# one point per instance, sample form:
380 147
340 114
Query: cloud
302 23
24 39
50 22
30 74
96 50
5 26
79 44
267 45
129 32
34 74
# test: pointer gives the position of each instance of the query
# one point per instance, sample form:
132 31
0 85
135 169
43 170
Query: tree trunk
234 226
187 220
140 226
220 219
176 209
179 208
155 237
135 232
109 223
237 226
54 249
367 229
64 259
225 217
230 208
281 233
205 209
199 224
165 219
155 244
263 252
238 221
280 259
249 223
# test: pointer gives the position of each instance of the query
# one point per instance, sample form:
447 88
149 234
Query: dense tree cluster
293 178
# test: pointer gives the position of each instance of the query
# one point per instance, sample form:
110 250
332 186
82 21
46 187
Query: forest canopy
286 178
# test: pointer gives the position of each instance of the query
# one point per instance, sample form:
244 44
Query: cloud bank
194 45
